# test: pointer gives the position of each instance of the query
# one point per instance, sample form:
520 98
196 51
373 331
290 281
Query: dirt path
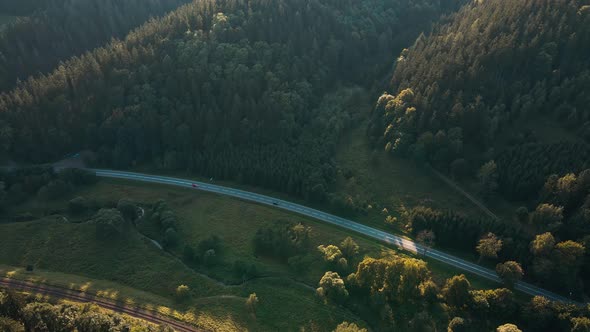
460 190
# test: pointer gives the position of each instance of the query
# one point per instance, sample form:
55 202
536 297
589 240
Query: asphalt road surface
400 242
77 296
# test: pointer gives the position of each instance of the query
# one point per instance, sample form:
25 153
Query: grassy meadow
66 251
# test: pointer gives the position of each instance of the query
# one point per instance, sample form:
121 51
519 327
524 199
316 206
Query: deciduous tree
349 247
331 287
547 216
331 253
349 327
128 209
510 272
489 246
170 237
538 313
456 291
458 324
568 257
508 328
580 324
252 302
543 244
10 325
182 293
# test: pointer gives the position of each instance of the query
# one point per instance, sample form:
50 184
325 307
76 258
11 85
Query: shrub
78 205
170 237
127 208
182 293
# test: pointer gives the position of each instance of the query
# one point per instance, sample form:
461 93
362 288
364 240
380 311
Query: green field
237 222
133 270
55 245
391 182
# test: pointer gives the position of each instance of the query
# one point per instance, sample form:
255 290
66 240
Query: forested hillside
468 99
494 64
247 90
52 31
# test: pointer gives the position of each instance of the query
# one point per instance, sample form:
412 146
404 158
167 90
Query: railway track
77 296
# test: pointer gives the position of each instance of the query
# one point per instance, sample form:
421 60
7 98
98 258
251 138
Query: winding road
400 242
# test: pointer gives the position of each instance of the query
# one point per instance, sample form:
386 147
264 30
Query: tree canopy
215 88
492 63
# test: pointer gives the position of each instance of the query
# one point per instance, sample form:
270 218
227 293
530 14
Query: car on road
275 203
72 156
195 185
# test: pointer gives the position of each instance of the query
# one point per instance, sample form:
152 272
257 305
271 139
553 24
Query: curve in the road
400 242
77 296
